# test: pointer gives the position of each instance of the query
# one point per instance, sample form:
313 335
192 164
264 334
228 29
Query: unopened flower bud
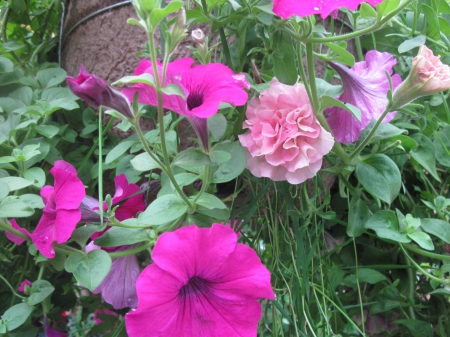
198 36
428 76
178 28
94 91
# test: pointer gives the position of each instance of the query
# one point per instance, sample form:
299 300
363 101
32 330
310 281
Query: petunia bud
94 91
198 36
428 76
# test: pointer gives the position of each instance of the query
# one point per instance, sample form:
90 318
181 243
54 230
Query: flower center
194 100
195 286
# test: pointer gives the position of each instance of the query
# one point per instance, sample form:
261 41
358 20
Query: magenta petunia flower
61 214
23 285
119 286
14 238
134 202
286 8
204 86
94 91
365 86
202 283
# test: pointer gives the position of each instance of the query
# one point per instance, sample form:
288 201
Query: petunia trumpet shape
61 214
94 91
202 283
204 88
14 238
286 8
119 286
428 76
365 86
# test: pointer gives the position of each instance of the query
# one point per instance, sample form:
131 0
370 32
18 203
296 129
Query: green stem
370 135
205 181
359 289
161 165
412 289
7 227
424 272
100 163
409 30
10 287
302 71
312 77
426 253
69 248
5 37
226 51
133 250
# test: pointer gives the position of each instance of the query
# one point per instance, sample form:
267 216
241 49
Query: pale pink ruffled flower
284 140
286 8
61 214
428 76
202 283
365 86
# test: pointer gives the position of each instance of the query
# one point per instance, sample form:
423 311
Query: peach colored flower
284 140
428 76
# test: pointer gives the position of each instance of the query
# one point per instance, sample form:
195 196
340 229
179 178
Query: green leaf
366 275
48 131
16 183
159 14
36 175
10 207
53 94
441 144
23 94
284 59
326 89
6 65
89 269
416 327
436 227
387 6
327 101
16 315
434 29
232 168
191 158
385 224
424 154
51 77
357 216
210 201
217 125
220 157
184 179
119 150
173 89
143 78
4 191
40 290
343 56
143 162
380 176
422 239
412 43
117 236
367 11
163 210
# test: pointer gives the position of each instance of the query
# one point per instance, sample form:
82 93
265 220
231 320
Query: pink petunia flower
94 91
23 285
428 76
202 283
61 214
365 86
286 8
204 88
14 238
284 140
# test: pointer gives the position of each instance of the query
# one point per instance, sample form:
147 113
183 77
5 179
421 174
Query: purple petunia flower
94 91
365 86
202 283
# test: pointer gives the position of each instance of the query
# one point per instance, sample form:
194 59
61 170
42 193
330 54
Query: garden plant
311 203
